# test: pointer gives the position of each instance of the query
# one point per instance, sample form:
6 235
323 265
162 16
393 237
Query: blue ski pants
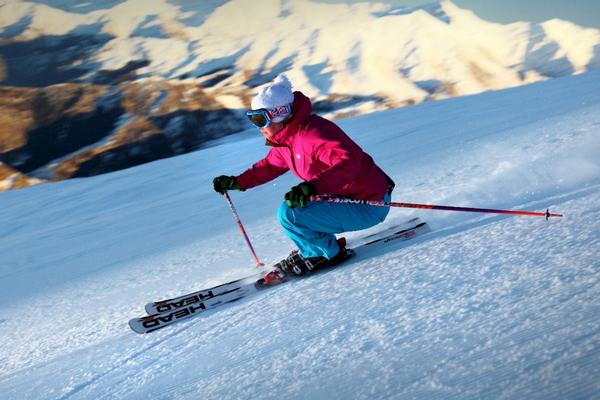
312 227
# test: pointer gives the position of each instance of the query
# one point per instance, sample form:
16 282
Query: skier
327 161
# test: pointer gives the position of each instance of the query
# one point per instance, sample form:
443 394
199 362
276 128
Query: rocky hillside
76 130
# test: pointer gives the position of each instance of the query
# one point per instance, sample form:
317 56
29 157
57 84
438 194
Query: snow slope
483 307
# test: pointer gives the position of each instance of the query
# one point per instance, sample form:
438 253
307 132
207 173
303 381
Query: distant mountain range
91 87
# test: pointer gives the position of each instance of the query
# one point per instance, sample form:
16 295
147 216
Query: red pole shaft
546 214
239 222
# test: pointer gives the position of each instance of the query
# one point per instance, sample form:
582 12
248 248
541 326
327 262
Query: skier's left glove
298 196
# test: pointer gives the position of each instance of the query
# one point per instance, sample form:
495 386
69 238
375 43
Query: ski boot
280 271
297 265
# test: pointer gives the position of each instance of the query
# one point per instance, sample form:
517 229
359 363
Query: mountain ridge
341 39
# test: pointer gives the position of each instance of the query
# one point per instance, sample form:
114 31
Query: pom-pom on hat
277 94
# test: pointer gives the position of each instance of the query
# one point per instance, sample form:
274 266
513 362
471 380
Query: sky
581 12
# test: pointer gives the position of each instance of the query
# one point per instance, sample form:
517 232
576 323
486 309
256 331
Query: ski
154 322
163 306
400 232
166 312
395 232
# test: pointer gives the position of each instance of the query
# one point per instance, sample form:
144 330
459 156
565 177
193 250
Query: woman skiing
327 161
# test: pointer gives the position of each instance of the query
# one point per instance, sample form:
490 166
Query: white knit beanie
277 94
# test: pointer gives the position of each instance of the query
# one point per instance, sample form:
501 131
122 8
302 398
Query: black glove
298 196
224 183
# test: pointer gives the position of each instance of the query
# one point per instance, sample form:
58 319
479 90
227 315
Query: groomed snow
483 307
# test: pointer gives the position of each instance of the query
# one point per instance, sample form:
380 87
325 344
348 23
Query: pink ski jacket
318 151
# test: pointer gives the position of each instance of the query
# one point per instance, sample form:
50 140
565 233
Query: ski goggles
263 117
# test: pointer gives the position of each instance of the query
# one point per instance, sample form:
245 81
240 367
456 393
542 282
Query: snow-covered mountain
483 307
366 53
92 87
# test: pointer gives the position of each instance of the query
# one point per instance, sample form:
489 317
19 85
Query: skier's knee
285 214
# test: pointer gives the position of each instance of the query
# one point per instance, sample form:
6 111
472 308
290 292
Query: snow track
482 307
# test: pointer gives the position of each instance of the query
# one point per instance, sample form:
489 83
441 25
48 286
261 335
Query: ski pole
259 264
330 199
